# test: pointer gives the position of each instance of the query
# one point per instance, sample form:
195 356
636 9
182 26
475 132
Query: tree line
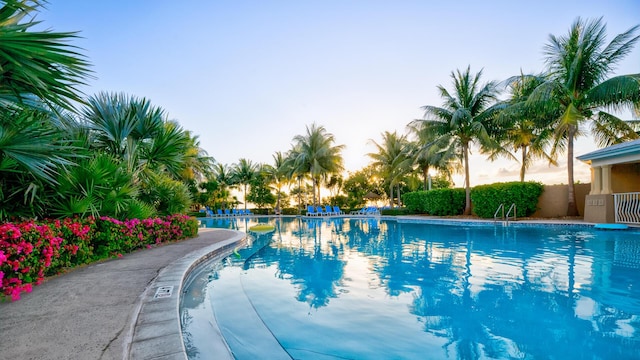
112 154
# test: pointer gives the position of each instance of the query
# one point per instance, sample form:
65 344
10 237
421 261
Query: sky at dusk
248 76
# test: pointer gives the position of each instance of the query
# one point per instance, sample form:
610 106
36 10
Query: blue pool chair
311 211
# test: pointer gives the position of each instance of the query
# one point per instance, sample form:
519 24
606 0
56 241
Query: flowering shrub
30 250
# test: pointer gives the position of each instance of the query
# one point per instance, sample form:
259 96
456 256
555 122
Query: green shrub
396 211
487 199
439 202
31 250
289 211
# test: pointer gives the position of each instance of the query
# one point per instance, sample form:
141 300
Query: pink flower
3 258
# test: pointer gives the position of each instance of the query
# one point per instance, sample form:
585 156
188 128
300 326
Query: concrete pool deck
124 308
116 309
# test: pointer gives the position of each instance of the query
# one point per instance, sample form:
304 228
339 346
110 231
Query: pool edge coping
155 330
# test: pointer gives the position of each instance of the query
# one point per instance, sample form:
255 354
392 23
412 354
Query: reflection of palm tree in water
500 319
316 271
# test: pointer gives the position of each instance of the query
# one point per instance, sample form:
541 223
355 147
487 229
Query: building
615 184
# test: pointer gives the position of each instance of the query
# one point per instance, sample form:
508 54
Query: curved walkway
110 310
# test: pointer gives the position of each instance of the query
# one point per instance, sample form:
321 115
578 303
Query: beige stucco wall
553 201
624 178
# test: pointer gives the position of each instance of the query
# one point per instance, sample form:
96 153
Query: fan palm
98 186
464 119
38 64
577 87
316 155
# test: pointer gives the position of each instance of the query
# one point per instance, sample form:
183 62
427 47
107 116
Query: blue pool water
374 289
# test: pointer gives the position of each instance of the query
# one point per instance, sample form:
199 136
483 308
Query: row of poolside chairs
369 210
227 212
324 211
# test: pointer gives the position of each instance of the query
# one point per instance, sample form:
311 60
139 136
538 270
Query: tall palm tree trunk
299 193
572 208
245 197
524 163
314 192
425 179
391 194
467 186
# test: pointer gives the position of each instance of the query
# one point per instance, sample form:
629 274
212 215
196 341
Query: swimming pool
369 288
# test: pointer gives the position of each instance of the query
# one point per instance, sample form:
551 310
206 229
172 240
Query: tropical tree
161 157
259 193
427 155
358 184
392 159
522 129
278 174
37 66
316 155
243 173
334 184
32 151
98 186
197 165
121 125
577 86
464 119
223 175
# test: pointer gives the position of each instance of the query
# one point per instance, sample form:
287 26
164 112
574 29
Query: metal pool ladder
505 218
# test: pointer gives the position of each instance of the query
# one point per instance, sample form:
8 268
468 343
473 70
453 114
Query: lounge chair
227 212
320 211
329 210
220 213
372 211
337 211
311 211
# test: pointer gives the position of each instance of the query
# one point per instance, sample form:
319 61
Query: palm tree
393 160
223 176
524 130
244 172
577 87
464 119
34 150
197 164
37 64
278 174
315 154
426 154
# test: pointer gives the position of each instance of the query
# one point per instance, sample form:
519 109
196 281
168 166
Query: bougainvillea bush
31 250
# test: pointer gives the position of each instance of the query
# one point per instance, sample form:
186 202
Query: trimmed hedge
487 198
439 202
396 211
31 250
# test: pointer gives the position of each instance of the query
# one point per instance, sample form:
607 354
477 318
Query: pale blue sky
247 76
